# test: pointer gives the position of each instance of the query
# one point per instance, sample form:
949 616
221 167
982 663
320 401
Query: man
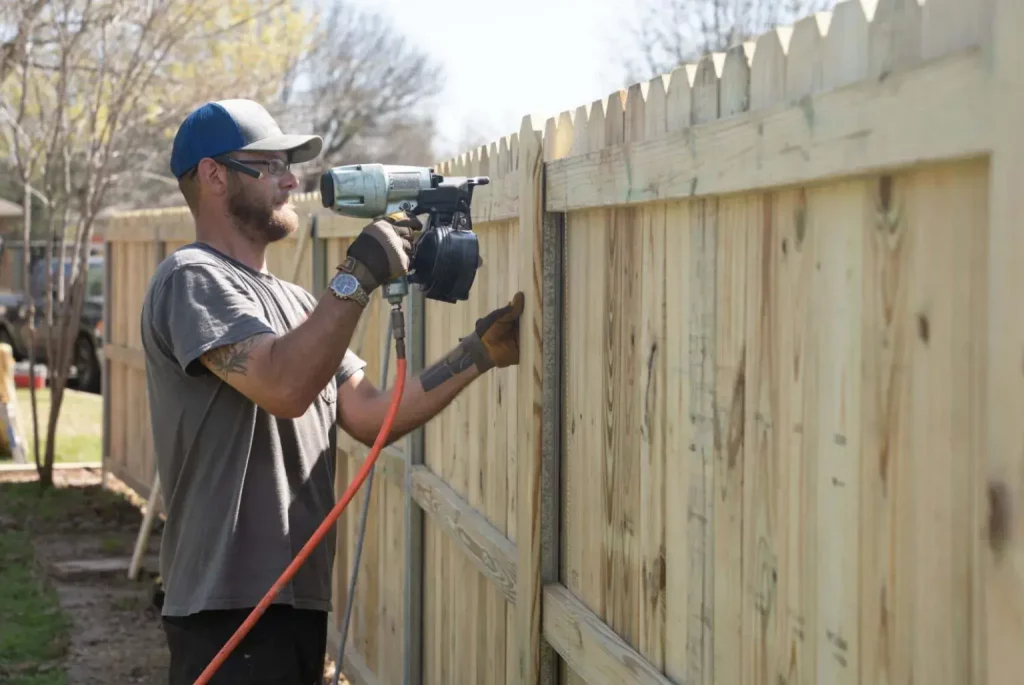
248 378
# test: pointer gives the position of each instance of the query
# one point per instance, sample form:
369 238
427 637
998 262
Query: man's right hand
384 248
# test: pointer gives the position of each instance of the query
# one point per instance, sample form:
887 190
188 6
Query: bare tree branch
118 74
669 33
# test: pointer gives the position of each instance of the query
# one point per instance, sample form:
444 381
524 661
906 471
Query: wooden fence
766 423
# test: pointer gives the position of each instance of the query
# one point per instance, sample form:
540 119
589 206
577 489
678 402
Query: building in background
10 218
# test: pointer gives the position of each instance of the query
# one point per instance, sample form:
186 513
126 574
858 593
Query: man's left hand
496 336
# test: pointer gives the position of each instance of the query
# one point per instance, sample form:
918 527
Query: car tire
88 366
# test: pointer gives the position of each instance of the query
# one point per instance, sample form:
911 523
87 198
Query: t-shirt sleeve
200 307
350 363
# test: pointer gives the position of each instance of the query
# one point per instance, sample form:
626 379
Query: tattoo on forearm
232 358
457 361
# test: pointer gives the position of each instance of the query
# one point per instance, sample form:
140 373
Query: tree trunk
45 477
68 331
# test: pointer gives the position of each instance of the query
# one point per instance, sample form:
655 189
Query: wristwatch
346 286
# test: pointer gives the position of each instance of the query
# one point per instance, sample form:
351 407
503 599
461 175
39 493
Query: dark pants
286 646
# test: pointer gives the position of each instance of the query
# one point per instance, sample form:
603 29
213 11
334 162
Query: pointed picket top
579 134
492 160
481 160
846 46
949 26
513 152
504 158
734 83
550 131
564 130
483 167
636 107
705 92
655 122
530 143
678 99
768 69
805 56
558 137
894 36
615 118
595 127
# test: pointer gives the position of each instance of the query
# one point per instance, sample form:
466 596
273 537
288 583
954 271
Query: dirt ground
115 636
115 633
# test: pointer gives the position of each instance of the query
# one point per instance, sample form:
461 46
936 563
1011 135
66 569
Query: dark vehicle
87 354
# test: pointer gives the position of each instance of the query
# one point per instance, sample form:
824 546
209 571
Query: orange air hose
321 531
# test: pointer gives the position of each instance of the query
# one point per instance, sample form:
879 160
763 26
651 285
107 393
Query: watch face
344 284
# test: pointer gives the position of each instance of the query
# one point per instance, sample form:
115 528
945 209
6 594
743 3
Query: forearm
306 359
424 397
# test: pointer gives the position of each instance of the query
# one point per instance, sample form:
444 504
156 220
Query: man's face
260 206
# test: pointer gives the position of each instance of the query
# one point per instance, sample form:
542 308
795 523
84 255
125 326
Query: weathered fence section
765 424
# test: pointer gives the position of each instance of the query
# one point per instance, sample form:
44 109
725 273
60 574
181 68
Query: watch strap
361 272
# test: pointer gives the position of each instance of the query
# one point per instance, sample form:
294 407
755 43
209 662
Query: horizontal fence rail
764 424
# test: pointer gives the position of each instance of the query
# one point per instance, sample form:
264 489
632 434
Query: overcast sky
507 58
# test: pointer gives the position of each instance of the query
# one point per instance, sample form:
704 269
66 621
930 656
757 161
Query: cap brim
303 148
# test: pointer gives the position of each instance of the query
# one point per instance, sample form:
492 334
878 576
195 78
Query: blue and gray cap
217 128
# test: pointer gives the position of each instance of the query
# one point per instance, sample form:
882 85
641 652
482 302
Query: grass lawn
79 430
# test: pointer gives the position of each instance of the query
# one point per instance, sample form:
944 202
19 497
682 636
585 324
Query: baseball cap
225 126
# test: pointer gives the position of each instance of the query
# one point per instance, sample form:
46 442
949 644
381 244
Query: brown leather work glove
495 339
384 249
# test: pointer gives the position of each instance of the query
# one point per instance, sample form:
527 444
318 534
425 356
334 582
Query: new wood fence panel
771 433
824 232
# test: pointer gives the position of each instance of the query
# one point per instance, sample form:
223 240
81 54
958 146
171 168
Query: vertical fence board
999 511
531 666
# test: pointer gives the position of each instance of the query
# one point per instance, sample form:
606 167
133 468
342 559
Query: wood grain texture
926 113
490 551
1000 504
591 648
529 667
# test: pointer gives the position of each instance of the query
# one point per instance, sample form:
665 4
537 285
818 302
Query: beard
259 218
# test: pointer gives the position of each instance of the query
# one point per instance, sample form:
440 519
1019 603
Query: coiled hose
396 324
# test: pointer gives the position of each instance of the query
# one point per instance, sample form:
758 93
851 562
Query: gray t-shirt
243 489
